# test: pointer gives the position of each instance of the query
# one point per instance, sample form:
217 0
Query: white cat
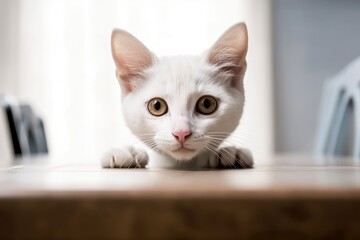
181 107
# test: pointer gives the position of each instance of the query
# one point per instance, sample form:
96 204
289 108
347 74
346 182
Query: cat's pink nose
181 135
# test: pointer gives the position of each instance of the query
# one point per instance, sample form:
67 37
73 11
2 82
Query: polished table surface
286 174
286 198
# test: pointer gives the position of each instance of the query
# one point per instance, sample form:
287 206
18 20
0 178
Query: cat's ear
131 58
229 52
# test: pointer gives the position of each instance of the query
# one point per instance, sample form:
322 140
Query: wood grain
294 198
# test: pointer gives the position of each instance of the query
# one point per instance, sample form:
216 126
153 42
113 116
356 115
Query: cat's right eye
157 107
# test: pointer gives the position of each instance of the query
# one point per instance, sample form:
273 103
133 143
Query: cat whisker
220 157
228 132
248 162
212 151
241 159
230 136
228 140
226 157
227 135
237 141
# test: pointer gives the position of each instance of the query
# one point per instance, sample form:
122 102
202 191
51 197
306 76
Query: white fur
181 81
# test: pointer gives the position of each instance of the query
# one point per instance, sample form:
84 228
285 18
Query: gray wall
313 40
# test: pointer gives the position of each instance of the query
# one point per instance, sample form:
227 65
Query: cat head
182 105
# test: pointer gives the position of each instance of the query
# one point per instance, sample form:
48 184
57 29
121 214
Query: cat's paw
233 157
127 157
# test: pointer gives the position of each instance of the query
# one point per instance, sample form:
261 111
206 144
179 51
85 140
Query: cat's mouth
183 149
183 153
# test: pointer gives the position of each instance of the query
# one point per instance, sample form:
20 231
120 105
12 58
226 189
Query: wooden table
294 198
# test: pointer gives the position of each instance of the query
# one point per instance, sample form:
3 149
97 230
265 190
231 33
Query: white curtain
55 54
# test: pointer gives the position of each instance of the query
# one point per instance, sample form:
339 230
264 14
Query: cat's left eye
157 107
206 105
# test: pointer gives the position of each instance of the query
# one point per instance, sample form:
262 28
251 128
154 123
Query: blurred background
55 55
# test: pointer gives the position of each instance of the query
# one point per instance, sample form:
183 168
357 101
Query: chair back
339 122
